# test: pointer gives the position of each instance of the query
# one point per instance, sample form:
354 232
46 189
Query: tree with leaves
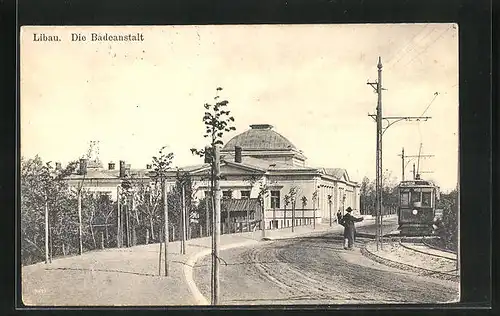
217 120
449 204
161 165
46 207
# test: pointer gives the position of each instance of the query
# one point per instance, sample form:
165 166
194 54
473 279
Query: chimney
111 166
58 166
149 167
122 169
83 166
237 154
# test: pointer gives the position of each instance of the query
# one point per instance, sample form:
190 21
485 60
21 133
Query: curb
191 261
426 253
407 267
436 247
296 236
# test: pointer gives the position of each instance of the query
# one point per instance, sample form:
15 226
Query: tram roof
416 183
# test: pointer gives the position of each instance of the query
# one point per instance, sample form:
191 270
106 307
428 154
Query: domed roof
260 137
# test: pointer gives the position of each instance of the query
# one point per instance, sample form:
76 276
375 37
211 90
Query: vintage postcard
239 165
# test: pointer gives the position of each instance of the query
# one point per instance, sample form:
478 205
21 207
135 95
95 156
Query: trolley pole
403 164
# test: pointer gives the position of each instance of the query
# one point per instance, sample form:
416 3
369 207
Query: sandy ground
127 276
316 270
395 252
302 270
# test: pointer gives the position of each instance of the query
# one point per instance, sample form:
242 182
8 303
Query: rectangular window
227 194
207 193
415 196
245 194
275 199
405 198
426 199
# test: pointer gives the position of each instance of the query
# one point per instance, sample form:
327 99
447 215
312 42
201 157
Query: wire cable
406 46
412 48
429 45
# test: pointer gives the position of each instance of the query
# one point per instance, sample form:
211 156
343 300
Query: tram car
417 207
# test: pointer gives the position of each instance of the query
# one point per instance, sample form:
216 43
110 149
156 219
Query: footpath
135 276
131 276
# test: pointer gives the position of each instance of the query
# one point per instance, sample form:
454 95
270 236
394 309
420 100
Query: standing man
349 229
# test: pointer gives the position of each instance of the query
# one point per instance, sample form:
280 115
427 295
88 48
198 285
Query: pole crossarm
373 85
394 119
416 156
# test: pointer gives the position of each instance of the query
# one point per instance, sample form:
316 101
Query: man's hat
349 209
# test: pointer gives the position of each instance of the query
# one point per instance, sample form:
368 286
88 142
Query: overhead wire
429 45
409 43
412 47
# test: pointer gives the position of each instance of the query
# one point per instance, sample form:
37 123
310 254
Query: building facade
262 158
258 162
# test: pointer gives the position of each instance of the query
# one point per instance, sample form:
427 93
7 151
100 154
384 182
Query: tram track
317 270
445 275
295 275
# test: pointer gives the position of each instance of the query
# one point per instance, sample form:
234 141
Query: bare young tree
304 204
285 204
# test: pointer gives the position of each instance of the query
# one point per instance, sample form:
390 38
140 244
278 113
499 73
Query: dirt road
316 270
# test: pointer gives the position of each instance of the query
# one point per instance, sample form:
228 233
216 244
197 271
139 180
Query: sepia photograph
237 165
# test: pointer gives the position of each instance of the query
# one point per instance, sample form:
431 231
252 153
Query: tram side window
426 199
405 198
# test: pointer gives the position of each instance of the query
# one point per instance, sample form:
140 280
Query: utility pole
215 255
378 117
183 221
46 231
118 217
80 221
165 209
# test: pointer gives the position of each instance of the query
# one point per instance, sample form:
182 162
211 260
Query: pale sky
308 81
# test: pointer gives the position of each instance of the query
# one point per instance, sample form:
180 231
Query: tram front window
415 197
426 199
405 199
